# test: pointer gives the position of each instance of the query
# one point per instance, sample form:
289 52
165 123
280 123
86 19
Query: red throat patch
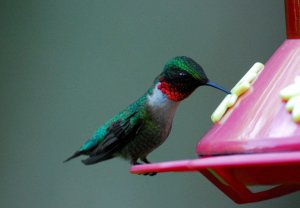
172 91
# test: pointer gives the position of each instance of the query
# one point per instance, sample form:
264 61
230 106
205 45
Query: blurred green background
68 66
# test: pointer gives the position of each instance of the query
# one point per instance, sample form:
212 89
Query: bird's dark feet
145 162
150 174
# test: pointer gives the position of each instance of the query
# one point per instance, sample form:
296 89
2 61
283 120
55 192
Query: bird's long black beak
214 85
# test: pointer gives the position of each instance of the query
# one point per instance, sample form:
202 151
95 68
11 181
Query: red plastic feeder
257 142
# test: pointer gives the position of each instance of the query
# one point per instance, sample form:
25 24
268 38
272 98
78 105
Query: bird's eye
182 74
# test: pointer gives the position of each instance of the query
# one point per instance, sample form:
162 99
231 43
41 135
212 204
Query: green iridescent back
100 134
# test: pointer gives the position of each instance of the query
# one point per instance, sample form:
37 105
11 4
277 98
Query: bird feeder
257 141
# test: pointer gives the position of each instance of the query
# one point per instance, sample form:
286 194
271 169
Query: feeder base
233 174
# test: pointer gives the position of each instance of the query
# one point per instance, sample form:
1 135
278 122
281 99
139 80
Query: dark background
68 66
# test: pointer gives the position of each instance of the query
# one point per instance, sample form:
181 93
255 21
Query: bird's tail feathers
76 154
95 159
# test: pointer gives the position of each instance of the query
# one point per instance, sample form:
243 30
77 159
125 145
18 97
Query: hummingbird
145 124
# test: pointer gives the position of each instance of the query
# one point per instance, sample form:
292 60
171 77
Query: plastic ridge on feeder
239 89
291 94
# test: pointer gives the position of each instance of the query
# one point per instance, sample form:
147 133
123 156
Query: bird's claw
147 173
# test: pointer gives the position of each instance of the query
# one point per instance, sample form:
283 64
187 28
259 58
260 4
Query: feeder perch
257 141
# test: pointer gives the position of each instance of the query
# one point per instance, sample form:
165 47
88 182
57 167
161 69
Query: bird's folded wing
119 135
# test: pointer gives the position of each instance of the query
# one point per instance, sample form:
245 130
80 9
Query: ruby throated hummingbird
145 124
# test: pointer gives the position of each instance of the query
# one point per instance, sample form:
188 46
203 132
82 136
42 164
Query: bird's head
181 76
